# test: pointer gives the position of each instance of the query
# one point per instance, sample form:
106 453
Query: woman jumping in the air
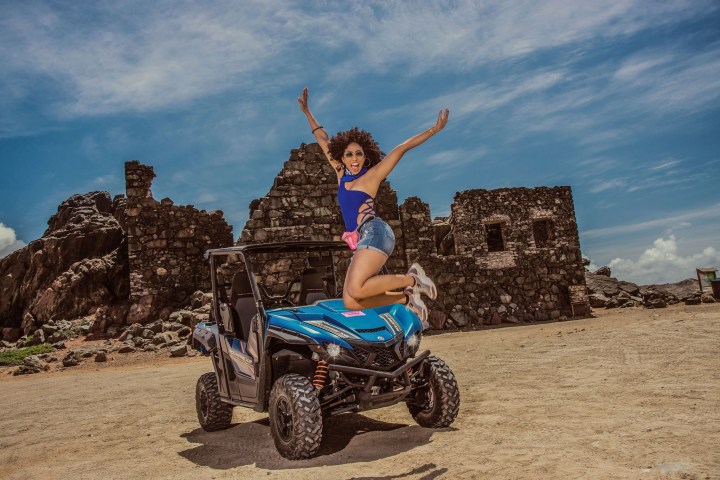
361 167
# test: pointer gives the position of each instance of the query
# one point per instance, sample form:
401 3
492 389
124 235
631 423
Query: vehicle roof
279 247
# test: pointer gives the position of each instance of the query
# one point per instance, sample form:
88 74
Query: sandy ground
631 393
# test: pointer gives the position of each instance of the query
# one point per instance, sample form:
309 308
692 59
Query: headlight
414 341
333 349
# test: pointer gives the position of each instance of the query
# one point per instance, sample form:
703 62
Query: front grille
371 330
376 356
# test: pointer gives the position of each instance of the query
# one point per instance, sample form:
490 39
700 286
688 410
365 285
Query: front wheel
212 412
295 417
435 402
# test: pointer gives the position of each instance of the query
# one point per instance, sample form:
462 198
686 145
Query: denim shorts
376 235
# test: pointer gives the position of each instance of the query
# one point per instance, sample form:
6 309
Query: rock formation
79 264
608 292
117 261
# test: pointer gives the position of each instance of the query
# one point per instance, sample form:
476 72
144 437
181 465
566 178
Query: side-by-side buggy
281 341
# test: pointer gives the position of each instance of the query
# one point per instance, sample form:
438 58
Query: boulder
31 364
11 334
597 300
71 359
178 351
200 299
693 299
604 271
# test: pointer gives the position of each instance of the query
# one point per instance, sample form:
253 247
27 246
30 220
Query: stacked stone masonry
166 245
502 255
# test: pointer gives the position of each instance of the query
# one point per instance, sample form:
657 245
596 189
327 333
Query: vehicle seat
312 287
241 298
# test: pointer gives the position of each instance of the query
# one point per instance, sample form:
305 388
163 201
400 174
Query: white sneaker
423 284
417 306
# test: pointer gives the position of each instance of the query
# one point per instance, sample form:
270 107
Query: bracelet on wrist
316 128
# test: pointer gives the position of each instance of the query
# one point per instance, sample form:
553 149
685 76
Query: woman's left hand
441 120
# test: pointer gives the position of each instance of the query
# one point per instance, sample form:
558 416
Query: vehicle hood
370 325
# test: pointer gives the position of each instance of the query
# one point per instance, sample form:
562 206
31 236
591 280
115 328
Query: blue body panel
354 322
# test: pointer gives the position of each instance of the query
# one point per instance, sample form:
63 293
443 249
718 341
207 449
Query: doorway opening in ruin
542 233
495 240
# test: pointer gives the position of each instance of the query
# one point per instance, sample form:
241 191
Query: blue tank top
354 202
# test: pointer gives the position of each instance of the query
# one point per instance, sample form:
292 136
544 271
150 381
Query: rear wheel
213 413
436 400
295 417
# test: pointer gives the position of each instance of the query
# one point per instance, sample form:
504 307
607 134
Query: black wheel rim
429 398
204 403
284 419
428 391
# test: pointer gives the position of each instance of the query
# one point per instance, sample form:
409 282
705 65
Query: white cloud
207 197
705 214
465 34
665 165
591 266
453 158
158 55
8 241
661 263
668 180
103 179
609 184
152 57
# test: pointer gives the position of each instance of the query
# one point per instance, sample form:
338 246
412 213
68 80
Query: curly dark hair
341 140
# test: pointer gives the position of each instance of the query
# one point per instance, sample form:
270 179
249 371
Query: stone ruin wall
526 280
505 255
166 246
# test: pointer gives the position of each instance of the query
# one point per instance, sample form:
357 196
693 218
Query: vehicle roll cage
246 253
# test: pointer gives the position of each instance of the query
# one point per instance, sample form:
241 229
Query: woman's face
353 158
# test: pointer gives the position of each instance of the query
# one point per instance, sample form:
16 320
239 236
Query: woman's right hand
303 100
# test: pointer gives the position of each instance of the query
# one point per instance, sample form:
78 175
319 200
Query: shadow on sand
346 438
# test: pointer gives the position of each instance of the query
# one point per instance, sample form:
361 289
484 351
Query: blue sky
618 99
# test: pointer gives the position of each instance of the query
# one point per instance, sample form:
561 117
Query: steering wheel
283 297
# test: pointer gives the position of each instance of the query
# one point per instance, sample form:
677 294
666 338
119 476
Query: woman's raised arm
321 135
383 169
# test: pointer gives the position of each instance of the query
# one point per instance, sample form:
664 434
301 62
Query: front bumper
377 374
364 398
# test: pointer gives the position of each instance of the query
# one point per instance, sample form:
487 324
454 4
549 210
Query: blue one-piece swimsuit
354 203
371 232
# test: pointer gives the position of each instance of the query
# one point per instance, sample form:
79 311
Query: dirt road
630 394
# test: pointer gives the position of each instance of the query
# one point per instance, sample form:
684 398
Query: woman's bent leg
381 300
362 280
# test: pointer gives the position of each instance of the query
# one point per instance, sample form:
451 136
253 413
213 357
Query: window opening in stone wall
494 237
444 239
542 233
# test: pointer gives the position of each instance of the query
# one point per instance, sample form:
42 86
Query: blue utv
282 342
